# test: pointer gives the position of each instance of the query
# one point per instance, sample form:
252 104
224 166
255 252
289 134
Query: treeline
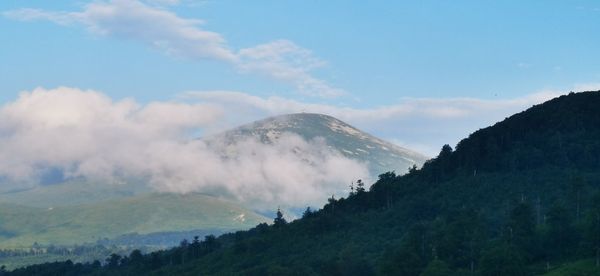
19 257
77 250
88 252
363 235
134 262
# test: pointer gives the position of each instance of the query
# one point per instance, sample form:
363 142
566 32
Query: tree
403 261
136 258
560 235
113 260
458 238
330 204
195 247
210 243
503 260
436 268
412 169
521 227
360 187
592 234
155 260
350 262
279 220
182 250
442 164
576 186
184 243
383 190
307 213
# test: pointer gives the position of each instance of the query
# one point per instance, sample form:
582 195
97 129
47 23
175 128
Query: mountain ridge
381 156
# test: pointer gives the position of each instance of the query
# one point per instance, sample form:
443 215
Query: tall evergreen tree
279 220
521 228
560 237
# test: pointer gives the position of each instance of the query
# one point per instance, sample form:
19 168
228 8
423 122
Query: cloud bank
164 30
86 134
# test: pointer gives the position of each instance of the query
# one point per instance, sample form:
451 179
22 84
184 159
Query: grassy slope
72 192
22 226
580 268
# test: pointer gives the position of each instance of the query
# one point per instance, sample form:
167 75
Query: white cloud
134 20
86 134
286 61
162 29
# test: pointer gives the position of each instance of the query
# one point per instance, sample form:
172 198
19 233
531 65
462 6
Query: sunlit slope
73 192
77 224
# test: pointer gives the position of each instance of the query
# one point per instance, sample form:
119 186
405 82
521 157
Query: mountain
381 156
521 197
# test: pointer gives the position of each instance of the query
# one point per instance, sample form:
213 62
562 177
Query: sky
340 54
417 73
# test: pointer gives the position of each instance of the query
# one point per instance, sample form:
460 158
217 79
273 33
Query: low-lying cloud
85 134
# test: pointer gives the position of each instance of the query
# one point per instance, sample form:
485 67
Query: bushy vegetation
519 198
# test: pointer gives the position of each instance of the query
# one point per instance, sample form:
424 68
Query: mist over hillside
137 180
122 143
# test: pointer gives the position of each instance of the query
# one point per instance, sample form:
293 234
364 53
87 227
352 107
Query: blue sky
419 73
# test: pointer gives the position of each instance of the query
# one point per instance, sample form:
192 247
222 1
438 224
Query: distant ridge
381 156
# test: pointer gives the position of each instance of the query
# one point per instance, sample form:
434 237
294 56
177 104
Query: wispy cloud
135 20
157 27
286 61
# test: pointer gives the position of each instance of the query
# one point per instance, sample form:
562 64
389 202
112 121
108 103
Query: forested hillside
521 197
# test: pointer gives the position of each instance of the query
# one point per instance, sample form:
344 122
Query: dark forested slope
517 198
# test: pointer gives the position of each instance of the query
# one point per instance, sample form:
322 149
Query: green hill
521 197
21 226
72 192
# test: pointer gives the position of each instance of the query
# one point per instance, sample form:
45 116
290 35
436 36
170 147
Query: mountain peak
381 156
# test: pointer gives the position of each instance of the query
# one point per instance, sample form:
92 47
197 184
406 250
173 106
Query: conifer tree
360 186
279 219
